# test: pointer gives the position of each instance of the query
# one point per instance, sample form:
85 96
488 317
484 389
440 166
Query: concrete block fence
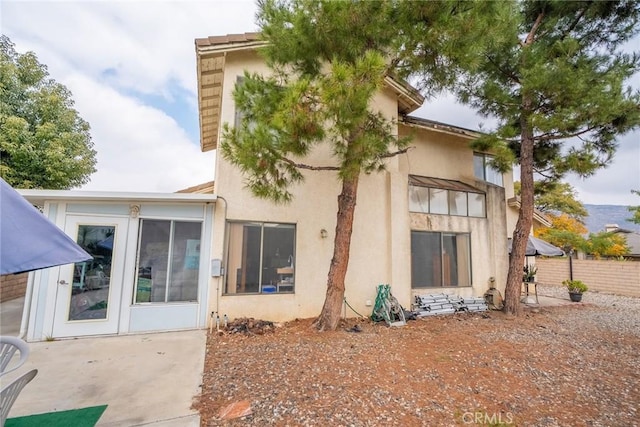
13 286
614 277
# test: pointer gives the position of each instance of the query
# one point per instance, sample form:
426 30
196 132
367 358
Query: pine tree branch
576 21
543 173
506 73
554 136
395 153
309 167
530 37
335 168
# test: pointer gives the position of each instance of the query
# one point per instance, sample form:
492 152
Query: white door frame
62 327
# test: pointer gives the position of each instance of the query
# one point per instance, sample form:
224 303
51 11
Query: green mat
85 417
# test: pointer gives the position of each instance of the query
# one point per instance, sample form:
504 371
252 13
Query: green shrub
575 286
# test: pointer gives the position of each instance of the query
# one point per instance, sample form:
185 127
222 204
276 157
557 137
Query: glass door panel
92 279
88 297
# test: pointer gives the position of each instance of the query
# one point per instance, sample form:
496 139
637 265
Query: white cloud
139 147
142 44
108 52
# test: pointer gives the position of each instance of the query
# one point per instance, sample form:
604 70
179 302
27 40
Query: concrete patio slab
148 379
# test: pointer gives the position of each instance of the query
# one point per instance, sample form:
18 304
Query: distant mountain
600 215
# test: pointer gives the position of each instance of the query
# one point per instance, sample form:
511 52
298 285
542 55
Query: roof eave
40 196
421 123
537 215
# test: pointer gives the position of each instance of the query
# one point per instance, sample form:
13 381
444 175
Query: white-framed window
445 197
168 261
260 258
440 259
482 169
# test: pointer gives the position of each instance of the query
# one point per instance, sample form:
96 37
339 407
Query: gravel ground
574 365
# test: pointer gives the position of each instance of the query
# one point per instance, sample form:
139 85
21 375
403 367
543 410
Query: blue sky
131 68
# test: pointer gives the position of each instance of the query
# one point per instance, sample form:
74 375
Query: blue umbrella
28 240
537 246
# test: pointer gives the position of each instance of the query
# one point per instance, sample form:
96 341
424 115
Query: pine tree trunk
330 314
512 291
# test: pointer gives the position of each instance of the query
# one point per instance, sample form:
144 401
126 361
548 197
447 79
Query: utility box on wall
216 268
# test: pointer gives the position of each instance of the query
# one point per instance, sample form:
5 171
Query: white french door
88 297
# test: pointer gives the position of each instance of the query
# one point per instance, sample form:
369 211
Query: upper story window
482 169
445 197
260 258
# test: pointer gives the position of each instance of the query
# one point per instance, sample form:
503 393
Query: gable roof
204 188
632 238
210 59
440 127
538 215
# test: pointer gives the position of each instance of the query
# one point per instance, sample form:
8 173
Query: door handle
63 282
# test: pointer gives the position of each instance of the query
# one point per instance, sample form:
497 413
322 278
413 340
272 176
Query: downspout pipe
224 254
26 310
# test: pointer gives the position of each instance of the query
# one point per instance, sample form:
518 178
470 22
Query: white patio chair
8 348
10 393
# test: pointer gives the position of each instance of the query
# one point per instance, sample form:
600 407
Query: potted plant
576 288
529 274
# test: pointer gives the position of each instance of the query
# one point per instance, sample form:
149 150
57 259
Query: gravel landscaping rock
574 365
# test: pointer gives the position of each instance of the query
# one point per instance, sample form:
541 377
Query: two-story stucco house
435 221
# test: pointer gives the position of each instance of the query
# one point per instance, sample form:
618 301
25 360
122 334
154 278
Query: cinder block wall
615 277
13 286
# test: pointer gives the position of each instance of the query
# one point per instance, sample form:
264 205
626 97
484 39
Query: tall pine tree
328 60
556 84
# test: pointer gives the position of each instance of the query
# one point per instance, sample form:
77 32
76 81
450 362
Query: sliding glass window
260 258
440 259
168 261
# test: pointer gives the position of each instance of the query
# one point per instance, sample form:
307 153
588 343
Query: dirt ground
560 366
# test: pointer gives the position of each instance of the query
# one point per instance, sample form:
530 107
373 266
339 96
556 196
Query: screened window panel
457 203
477 205
438 203
478 166
493 176
426 270
440 259
168 261
418 199
261 258
482 169
444 197
185 262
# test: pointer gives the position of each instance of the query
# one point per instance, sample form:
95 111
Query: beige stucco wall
381 240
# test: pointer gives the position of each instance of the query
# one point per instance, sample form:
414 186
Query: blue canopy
28 240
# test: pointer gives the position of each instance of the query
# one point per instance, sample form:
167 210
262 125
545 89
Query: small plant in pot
529 273
576 288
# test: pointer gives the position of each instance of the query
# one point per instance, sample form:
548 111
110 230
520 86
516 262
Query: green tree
555 82
606 244
635 210
328 61
566 232
556 197
44 143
